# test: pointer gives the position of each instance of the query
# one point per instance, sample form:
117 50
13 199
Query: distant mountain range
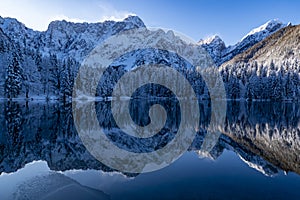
42 65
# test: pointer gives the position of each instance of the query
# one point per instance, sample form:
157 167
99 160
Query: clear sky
230 19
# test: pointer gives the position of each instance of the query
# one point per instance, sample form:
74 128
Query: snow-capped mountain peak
220 53
77 39
8 22
135 20
64 38
214 45
210 40
266 29
15 28
82 27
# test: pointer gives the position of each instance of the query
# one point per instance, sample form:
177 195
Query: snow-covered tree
14 78
55 75
68 76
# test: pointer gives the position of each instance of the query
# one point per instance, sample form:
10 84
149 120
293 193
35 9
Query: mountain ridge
49 60
61 35
221 53
262 48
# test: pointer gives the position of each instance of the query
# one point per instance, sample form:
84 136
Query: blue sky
194 18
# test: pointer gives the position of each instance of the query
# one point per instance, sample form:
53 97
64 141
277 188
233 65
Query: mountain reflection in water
265 135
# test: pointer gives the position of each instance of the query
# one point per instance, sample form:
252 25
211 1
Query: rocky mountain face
65 39
215 46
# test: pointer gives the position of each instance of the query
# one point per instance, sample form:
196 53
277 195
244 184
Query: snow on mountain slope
49 60
220 53
279 47
214 46
18 32
253 37
78 39
65 39
265 29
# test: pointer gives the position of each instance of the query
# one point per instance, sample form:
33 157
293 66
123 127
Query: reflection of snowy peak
47 132
251 159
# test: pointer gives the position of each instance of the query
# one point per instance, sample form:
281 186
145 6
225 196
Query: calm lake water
256 155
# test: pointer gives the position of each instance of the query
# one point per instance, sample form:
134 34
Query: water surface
257 155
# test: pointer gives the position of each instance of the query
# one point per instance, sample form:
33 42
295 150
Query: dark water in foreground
257 155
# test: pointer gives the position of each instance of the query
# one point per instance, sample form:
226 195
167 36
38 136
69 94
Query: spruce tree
13 79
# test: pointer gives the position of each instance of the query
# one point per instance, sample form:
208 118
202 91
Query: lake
255 154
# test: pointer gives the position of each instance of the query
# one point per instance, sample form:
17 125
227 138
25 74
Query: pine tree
13 79
67 78
55 75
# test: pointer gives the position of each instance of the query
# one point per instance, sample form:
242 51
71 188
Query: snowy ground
37 181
